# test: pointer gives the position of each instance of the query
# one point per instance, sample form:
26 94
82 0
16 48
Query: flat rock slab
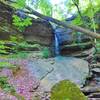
37 67
40 68
69 68
52 70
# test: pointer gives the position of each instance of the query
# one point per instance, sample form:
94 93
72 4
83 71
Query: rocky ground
36 76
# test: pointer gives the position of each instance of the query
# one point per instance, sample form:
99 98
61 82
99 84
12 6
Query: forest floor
28 86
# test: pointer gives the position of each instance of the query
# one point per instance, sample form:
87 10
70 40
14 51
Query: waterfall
57 48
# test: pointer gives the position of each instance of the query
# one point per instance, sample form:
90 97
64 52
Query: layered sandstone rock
39 32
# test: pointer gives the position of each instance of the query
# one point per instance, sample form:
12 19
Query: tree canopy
84 10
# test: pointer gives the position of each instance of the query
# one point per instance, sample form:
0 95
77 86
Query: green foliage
62 10
16 44
45 6
45 52
19 55
95 7
24 45
6 65
17 40
77 21
13 39
98 45
19 4
76 2
89 10
5 85
3 48
66 90
20 23
97 17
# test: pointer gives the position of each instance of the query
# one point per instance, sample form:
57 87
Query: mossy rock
66 90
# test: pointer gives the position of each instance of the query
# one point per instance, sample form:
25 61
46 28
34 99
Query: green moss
66 90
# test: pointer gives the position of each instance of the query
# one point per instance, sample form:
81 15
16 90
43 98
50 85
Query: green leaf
19 4
21 23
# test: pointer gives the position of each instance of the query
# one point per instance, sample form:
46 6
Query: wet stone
68 68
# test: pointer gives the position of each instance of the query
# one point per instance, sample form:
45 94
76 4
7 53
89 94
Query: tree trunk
74 27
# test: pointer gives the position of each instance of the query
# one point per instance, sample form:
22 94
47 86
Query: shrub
45 52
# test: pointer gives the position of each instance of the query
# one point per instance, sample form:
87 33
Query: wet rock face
67 36
69 40
40 32
64 35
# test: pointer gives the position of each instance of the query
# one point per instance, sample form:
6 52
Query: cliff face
5 21
39 32
5 12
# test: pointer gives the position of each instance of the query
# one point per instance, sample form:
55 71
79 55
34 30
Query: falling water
57 48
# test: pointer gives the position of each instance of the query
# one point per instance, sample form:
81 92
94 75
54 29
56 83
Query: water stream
57 48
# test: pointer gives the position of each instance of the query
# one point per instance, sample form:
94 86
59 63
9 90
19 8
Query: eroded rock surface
39 32
70 41
68 68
